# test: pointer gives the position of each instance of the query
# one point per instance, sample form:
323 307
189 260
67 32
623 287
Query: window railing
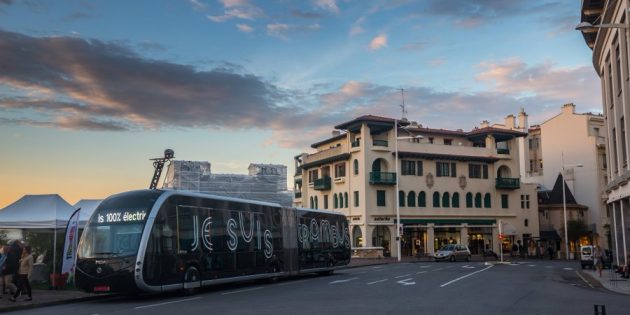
382 178
355 144
322 183
379 143
503 151
508 183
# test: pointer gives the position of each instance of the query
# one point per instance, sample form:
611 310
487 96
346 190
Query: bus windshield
115 228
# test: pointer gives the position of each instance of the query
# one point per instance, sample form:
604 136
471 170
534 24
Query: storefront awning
448 221
549 235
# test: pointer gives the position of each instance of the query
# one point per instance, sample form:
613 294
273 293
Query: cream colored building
610 60
454 186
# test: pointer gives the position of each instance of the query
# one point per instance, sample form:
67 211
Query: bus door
189 245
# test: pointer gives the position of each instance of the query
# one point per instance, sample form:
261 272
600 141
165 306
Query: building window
614 145
340 170
478 200
345 200
524 201
312 203
436 199
504 201
469 200
526 223
448 141
419 168
335 201
316 203
313 175
531 166
624 154
455 202
356 167
411 199
408 167
444 169
431 140
356 198
618 70
487 201
380 198
474 170
446 200
401 198
422 199
326 201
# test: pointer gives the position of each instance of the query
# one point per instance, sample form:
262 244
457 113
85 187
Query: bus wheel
191 281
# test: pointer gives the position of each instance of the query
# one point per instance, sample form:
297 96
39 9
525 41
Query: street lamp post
396 193
564 208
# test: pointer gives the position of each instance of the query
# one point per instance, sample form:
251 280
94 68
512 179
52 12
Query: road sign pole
501 239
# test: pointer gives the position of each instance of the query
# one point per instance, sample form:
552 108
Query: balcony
322 183
298 194
508 183
503 151
379 143
382 178
355 144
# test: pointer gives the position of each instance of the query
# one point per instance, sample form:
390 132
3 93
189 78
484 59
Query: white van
586 256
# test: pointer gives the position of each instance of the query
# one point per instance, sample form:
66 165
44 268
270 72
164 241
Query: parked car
452 252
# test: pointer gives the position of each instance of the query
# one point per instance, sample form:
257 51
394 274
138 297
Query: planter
58 281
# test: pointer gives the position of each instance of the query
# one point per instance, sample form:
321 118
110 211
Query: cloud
306 15
237 9
244 28
378 42
357 26
198 5
330 5
282 30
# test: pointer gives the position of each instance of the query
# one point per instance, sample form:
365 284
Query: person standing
24 273
598 261
10 267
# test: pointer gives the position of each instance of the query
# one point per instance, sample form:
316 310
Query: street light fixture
398 225
564 207
584 26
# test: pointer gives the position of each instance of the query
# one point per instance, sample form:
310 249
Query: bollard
600 309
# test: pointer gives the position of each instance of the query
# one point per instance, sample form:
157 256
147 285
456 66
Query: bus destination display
122 216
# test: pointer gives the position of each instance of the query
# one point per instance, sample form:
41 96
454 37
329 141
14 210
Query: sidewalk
609 280
45 298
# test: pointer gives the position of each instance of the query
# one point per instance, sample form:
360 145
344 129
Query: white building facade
453 186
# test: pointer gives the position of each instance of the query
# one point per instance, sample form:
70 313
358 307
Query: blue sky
90 90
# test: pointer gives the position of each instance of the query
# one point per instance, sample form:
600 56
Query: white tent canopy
36 212
87 208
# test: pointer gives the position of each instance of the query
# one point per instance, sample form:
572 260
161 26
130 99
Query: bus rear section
323 240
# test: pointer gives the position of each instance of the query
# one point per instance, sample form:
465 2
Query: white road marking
165 303
531 265
567 268
291 282
468 267
377 267
240 291
583 279
466 276
406 282
342 281
420 272
373 282
425 266
407 275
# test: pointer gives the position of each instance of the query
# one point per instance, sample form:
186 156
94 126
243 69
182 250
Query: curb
600 283
53 303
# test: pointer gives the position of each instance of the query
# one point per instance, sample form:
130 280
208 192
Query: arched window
455 202
486 201
422 199
411 199
357 236
401 198
478 200
312 204
345 200
356 167
335 201
436 199
469 200
446 200
316 205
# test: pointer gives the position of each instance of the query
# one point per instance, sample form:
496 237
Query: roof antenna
402 106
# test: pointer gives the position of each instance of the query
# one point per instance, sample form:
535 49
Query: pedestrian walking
11 266
24 273
598 259
550 252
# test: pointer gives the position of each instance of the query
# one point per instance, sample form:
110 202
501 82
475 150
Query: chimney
509 121
485 124
522 119
335 133
568 108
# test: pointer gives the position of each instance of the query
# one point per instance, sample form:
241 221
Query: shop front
425 236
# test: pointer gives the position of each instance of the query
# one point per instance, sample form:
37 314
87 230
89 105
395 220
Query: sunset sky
91 90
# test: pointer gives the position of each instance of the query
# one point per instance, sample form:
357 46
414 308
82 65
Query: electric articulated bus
164 240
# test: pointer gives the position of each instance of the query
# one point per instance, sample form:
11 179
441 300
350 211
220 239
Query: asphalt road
536 287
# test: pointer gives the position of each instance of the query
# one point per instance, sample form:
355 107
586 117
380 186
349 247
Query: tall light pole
398 225
564 208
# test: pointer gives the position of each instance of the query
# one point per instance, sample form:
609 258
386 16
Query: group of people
16 265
